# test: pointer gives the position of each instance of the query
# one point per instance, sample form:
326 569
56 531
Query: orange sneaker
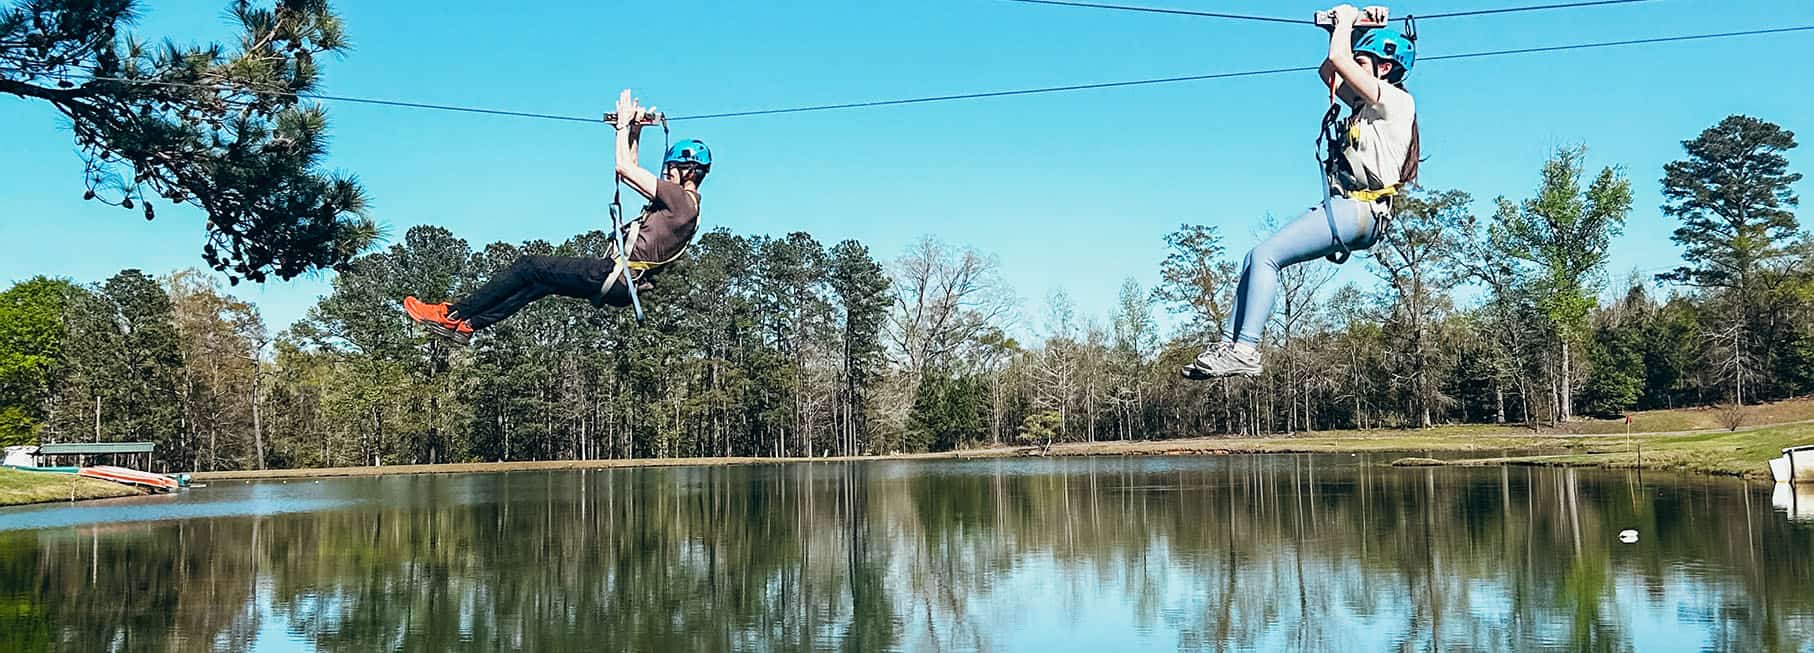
435 318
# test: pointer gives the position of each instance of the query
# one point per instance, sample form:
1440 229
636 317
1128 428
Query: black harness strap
1329 140
622 272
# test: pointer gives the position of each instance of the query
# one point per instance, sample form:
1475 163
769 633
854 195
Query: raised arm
1330 78
629 136
1355 78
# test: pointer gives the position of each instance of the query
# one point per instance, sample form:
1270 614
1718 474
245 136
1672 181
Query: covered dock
136 455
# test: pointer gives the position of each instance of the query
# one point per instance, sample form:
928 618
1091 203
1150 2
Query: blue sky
1052 184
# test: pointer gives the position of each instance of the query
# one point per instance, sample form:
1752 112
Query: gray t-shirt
1381 136
669 222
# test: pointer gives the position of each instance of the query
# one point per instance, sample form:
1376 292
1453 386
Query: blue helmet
686 151
1387 44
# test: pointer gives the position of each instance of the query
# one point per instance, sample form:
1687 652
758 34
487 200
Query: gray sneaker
1221 360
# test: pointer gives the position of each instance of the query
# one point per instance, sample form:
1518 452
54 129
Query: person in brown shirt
669 222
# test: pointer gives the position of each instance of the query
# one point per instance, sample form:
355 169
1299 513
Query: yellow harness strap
1373 195
622 259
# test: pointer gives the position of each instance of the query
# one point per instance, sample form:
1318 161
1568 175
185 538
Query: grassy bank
1697 419
1449 440
1673 440
18 488
1743 453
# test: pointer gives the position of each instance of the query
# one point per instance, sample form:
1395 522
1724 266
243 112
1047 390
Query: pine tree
1734 196
146 404
213 127
861 289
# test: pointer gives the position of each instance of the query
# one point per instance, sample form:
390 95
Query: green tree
948 412
1561 237
1195 280
31 343
300 436
1040 428
393 391
95 369
797 316
861 287
221 337
146 404
712 290
216 128
1671 355
1616 377
1734 196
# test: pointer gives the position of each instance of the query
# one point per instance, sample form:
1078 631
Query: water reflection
1794 501
1214 554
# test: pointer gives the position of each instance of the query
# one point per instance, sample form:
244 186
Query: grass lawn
1744 453
18 488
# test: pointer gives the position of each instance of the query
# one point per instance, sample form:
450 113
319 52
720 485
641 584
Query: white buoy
1629 536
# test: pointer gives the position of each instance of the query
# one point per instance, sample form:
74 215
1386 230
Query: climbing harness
625 236
1333 137
1325 167
620 258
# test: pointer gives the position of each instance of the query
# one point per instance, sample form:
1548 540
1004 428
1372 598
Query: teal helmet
1387 44
689 151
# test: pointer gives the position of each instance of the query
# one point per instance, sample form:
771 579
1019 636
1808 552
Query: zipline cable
1296 21
1510 10
968 96
1250 73
1161 10
334 98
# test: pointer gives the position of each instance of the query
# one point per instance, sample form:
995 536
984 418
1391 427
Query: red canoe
157 482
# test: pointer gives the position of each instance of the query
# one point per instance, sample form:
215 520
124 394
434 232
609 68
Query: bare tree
950 308
1408 261
1057 373
1300 305
945 300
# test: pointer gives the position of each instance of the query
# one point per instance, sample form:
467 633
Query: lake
1211 553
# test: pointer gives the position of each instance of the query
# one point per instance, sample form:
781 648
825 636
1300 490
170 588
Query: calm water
1255 553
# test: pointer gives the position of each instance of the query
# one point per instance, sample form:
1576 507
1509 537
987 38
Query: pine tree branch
23 89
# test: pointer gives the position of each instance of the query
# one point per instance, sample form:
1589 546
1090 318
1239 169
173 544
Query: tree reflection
1237 553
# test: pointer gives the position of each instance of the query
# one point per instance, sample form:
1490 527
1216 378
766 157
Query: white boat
1795 466
1795 501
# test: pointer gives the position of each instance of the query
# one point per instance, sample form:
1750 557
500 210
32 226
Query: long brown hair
1407 174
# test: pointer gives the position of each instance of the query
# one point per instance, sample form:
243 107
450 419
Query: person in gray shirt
1375 157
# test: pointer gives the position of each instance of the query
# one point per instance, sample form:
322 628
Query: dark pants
533 277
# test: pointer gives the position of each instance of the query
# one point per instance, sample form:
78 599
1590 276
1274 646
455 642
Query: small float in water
133 477
1795 466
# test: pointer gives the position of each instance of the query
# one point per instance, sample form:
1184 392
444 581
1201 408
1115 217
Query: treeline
784 346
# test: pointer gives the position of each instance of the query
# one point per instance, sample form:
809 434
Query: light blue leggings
1303 239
